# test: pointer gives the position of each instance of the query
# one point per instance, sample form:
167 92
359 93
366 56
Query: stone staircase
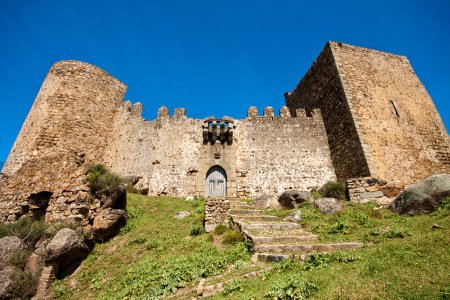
274 239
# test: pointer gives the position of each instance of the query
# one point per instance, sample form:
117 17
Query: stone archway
216 182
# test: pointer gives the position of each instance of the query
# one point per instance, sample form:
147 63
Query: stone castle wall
279 153
357 113
380 120
66 130
268 154
164 151
404 136
321 88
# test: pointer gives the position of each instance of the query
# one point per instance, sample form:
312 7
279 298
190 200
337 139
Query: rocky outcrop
8 246
107 223
7 281
328 205
65 250
422 197
292 198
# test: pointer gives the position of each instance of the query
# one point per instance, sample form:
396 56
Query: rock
8 246
262 202
142 186
117 199
436 226
182 214
294 217
190 198
422 197
65 248
292 198
7 281
107 223
384 201
328 205
210 226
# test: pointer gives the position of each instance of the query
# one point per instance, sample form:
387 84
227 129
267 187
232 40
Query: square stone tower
380 120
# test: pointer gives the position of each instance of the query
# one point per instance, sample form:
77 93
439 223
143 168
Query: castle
358 114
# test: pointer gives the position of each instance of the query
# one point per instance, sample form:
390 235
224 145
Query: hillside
156 256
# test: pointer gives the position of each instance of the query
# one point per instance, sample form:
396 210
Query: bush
232 237
220 229
293 287
27 229
25 285
333 189
20 258
101 180
196 229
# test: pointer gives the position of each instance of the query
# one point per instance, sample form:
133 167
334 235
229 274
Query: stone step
253 218
245 211
268 225
273 232
305 248
277 240
241 206
271 257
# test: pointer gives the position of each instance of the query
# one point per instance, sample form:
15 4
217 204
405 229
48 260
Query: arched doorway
216 182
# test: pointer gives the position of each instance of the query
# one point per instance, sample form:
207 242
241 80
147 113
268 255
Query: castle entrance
216 182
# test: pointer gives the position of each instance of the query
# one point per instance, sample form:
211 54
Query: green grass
153 256
404 258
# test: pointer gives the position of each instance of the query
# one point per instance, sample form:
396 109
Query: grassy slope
154 255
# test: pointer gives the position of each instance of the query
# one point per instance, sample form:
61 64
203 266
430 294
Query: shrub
101 180
25 285
333 189
220 229
232 237
19 259
196 229
27 229
293 287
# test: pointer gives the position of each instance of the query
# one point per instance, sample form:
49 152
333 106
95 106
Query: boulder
8 277
182 214
8 246
422 197
328 205
107 223
116 199
294 217
65 251
142 186
262 202
292 198
65 247
210 226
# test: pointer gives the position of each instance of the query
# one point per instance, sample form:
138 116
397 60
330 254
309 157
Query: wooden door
216 182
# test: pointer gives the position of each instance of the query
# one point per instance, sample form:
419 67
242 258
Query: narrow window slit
396 110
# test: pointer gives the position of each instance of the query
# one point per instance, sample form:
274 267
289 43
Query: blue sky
211 57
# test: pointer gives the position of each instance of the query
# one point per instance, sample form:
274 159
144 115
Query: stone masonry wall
164 151
279 153
402 133
267 155
67 129
380 120
216 212
321 88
